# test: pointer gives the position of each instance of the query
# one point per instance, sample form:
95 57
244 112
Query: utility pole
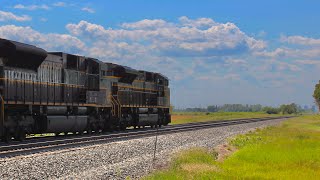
155 146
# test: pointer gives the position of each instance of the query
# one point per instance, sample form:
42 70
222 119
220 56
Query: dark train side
56 92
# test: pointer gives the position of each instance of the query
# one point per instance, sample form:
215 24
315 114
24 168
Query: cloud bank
32 7
8 16
200 56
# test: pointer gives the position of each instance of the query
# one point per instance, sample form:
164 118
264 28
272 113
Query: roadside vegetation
284 108
189 117
235 111
288 151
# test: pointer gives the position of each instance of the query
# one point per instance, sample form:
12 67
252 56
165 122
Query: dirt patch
179 117
161 166
224 151
196 167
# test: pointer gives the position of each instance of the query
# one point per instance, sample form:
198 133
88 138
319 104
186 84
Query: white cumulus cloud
146 24
50 42
89 10
32 7
201 22
7 16
60 4
294 47
300 40
185 38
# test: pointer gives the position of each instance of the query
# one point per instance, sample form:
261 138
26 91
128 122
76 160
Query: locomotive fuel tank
147 110
143 110
82 110
56 124
57 110
148 119
63 110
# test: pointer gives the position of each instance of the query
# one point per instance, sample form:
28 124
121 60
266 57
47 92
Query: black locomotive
56 92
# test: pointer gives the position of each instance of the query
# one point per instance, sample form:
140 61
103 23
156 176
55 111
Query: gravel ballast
118 160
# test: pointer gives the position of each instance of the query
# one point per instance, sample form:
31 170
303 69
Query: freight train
57 92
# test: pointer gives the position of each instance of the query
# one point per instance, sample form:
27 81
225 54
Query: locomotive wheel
123 127
95 128
21 135
7 137
89 131
95 131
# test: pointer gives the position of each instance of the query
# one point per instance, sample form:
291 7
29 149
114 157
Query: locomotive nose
16 54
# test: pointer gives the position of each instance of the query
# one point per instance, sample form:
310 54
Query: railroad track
51 144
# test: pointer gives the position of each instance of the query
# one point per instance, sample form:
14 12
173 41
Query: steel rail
26 148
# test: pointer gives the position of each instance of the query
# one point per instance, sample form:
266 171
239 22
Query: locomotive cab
19 64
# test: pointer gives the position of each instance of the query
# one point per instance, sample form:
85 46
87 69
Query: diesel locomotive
57 92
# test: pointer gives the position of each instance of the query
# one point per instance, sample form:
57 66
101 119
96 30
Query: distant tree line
235 108
283 109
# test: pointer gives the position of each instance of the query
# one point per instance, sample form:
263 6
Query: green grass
289 151
188 117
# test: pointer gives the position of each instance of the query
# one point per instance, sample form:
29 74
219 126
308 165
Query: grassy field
289 151
187 117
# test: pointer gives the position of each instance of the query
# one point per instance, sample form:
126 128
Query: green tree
316 94
271 110
212 108
289 108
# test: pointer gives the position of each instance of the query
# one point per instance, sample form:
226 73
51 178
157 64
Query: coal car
57 92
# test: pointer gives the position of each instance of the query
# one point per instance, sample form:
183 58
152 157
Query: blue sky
214 52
